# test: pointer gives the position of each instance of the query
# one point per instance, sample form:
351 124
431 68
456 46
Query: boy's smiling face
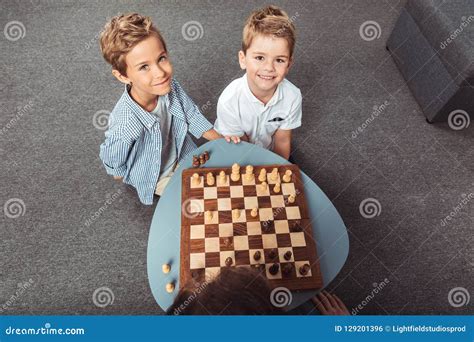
267 62
148 68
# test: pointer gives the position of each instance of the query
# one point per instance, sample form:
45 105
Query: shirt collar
146 118
277 96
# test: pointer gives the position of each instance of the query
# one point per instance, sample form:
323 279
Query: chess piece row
248 176
201 159
274 268
287 268
272 255
210 179
262 177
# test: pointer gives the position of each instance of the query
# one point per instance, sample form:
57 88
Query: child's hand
234 139
329 304
118 178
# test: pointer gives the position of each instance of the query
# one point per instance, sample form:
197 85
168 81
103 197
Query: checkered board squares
278 227
210 193
288 188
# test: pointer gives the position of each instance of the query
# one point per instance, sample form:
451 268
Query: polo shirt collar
277 96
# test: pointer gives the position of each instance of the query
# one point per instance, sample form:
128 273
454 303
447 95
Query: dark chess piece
287 268
257 255
273 270
272 254
304 269
206 155
196 161
202 160
288 255
229 261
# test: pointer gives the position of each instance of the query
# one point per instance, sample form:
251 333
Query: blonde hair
270 20
121 34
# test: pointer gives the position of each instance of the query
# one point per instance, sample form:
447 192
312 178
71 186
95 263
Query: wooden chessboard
279 226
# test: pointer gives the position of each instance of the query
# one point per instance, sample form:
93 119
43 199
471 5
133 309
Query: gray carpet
54 80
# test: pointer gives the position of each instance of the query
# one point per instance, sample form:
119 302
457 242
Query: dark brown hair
235 291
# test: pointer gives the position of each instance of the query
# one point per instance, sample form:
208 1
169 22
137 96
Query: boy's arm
282 142
114 153
228 124
245 138
211 135
282 136
214 134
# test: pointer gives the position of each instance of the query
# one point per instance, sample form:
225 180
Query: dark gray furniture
433 46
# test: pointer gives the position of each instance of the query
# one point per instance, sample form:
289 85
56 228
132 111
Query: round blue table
329 231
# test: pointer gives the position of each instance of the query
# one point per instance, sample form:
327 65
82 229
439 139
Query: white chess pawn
210 179
235 214
291 198
254 212
263 175
274 174
249 173
196 179
235 176
222 178
166 268
169 287
209 215
287 176
263 186
277 188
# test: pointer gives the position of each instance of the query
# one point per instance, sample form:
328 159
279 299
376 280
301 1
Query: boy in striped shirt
149 125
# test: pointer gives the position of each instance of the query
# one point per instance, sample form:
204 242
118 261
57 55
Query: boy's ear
290 63
120 77
243 66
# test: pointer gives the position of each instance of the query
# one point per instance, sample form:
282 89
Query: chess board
279 226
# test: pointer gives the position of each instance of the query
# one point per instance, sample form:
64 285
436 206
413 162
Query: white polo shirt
239 112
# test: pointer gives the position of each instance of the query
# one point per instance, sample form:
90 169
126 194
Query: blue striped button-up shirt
133 141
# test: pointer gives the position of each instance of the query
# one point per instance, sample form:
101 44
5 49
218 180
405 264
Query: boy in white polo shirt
262 106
